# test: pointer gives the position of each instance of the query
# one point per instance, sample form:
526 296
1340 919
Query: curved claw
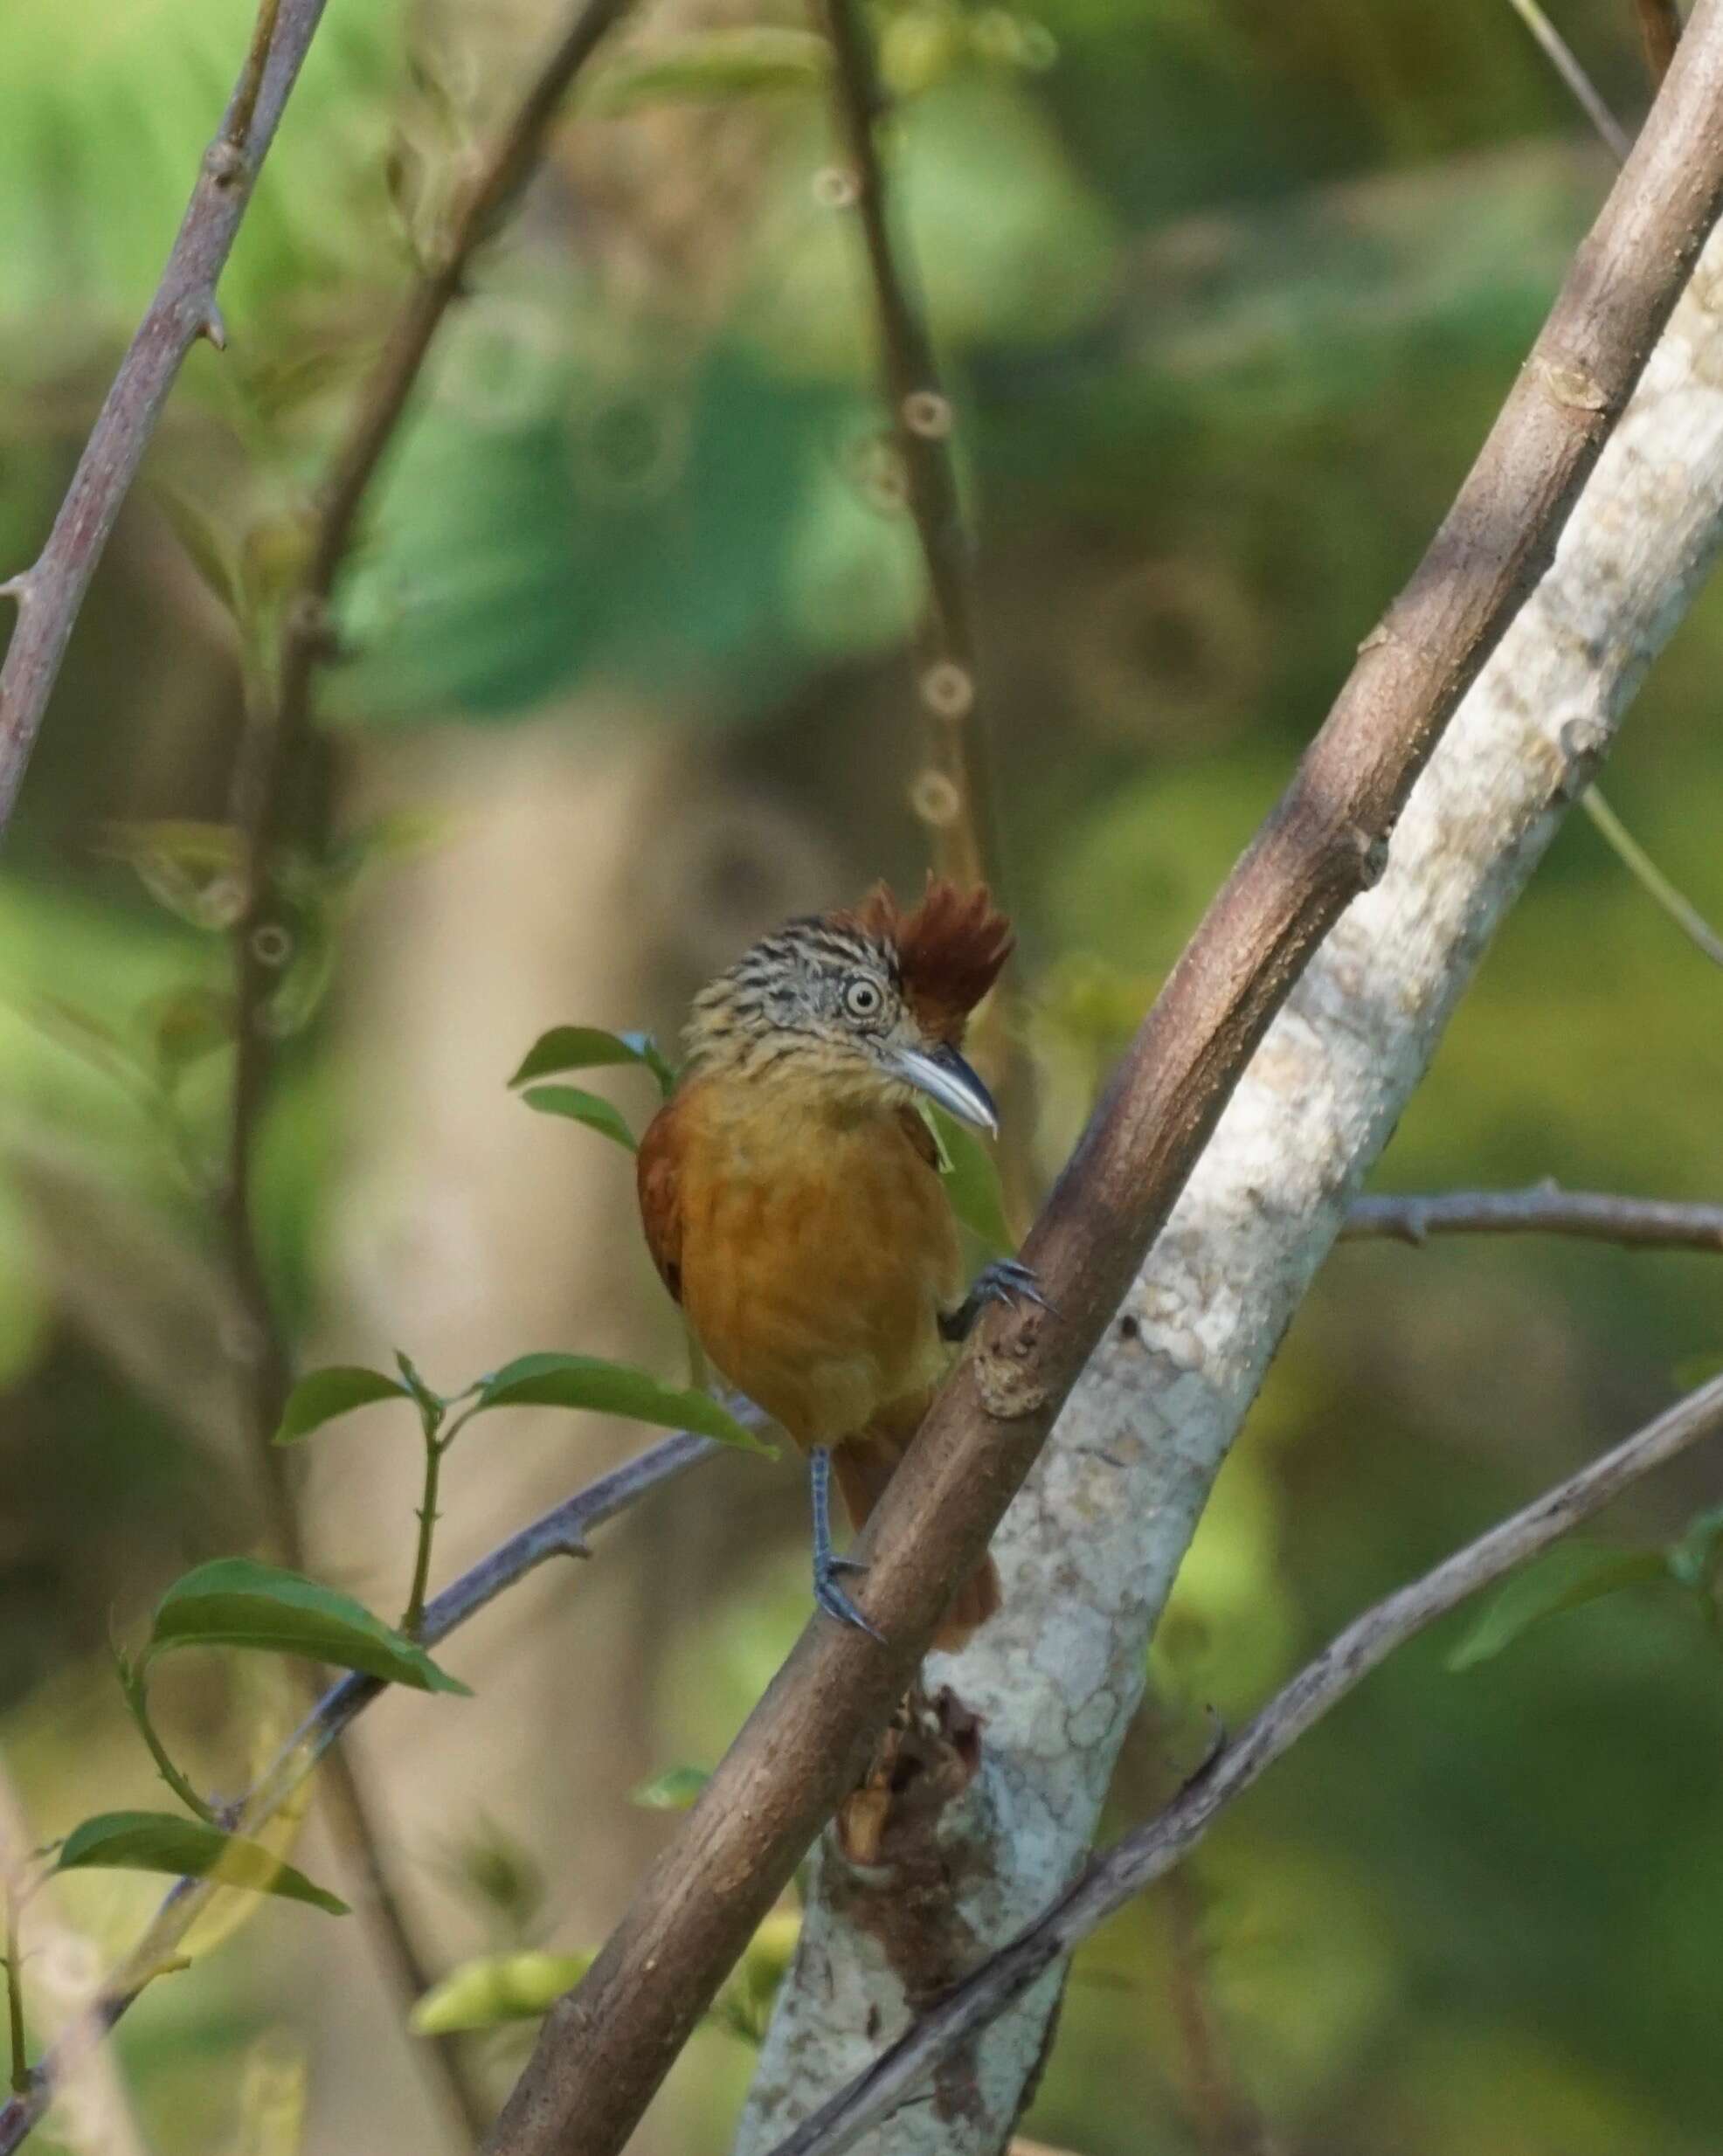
835 1603
1005 1281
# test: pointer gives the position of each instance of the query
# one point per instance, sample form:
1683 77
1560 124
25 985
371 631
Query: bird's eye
863 999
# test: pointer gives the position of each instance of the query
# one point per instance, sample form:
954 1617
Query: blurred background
1228 295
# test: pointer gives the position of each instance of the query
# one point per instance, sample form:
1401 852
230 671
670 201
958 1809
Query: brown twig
1660 33
1151 1850
948 796
238 127
1638 1223
49 593
560 1533
606 2046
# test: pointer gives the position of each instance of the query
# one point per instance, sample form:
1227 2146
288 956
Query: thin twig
1638 1223
1153 1849
562 1531
1561 56
948 796
49 593
1651 879
606 2046
1660 33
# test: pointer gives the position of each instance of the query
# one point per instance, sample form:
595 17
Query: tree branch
1638 1223
948 796
605 2049
562 1531
49 593
1151 1849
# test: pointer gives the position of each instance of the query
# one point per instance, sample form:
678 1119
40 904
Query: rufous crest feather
950 948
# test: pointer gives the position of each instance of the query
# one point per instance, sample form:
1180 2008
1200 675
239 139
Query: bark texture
1090 1547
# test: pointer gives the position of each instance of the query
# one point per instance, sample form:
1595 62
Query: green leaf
748 61
673 1791
238 1602
1697 1370
322 1395
496 1987
590 1048
183 1026
972 1181
186 1848
612 1389
1571 1574
580 1107
211 550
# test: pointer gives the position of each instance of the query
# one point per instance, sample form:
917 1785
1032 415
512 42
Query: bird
791 1199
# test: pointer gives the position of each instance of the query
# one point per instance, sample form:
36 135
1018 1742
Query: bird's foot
832 1598
1006 1280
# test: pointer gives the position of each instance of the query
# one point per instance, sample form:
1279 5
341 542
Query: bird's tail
864 1464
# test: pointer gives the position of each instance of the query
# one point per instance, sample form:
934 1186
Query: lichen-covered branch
1150 1850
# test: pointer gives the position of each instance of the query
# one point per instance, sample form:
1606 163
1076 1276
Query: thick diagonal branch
605 2049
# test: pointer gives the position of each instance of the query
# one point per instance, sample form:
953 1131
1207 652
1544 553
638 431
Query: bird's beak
944 1077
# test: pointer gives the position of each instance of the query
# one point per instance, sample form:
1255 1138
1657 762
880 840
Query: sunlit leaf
237 1602
1573 1573
186 1848
585 1107
673 1791
323 1394
972 1181
590 1048
747 60
496 1987
612 1389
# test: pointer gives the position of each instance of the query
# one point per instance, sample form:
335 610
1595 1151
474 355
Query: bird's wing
659 1180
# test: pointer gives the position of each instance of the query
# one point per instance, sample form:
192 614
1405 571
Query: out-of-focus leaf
972 1181
496 1987
759 59
211 552
190 868
323 1394
582 1107
590 1048
1571 1575
237 1602
1693 1559
1697 1370
186 1848
612 1389
673 1791
185 1025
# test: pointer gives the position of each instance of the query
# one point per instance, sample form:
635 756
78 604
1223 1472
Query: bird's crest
950 948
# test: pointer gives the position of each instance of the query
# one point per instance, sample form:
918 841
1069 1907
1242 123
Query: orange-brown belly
815 1270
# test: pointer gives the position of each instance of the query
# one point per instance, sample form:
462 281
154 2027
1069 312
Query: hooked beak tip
951 1083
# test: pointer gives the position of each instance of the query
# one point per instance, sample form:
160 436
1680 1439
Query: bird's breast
816 1257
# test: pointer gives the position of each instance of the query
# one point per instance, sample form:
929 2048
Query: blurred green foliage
1229 293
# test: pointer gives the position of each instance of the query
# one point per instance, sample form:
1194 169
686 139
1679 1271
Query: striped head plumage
869 1003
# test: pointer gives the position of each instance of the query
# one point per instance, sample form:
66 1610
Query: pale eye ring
863 998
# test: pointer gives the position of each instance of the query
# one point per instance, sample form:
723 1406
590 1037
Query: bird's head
867 1005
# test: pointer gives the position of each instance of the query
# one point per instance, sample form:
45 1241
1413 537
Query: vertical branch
50 592
949 794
